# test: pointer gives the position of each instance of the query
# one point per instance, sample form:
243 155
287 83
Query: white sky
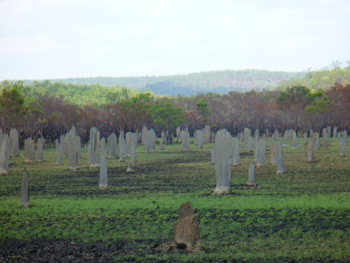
42 39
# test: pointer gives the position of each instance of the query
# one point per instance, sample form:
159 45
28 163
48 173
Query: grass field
303 215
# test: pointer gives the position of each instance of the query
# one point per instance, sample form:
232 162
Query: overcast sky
42 39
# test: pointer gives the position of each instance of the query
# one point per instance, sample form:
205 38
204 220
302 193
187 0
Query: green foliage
12 98
32 106
94 95
117 94
203 110
138 105
320 102
293 95
141 103
144 96
312 95
166 115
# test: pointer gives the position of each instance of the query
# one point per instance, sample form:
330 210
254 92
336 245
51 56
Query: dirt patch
67 251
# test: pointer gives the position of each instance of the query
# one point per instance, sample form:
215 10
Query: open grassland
303 215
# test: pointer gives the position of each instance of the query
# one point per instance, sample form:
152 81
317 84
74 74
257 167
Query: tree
118 93
11 103
167 116
135 110
293 94
319 102
203 110
293 102
12 99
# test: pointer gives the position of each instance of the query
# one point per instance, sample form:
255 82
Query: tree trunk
169 137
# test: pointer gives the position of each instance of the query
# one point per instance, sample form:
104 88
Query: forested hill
321 79
191 84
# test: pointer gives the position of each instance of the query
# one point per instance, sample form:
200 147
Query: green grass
300 216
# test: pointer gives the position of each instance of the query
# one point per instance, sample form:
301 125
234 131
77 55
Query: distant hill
191 84
321 79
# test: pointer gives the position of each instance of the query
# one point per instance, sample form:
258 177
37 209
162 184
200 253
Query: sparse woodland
50 109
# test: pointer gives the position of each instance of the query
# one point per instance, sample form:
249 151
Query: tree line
49 115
